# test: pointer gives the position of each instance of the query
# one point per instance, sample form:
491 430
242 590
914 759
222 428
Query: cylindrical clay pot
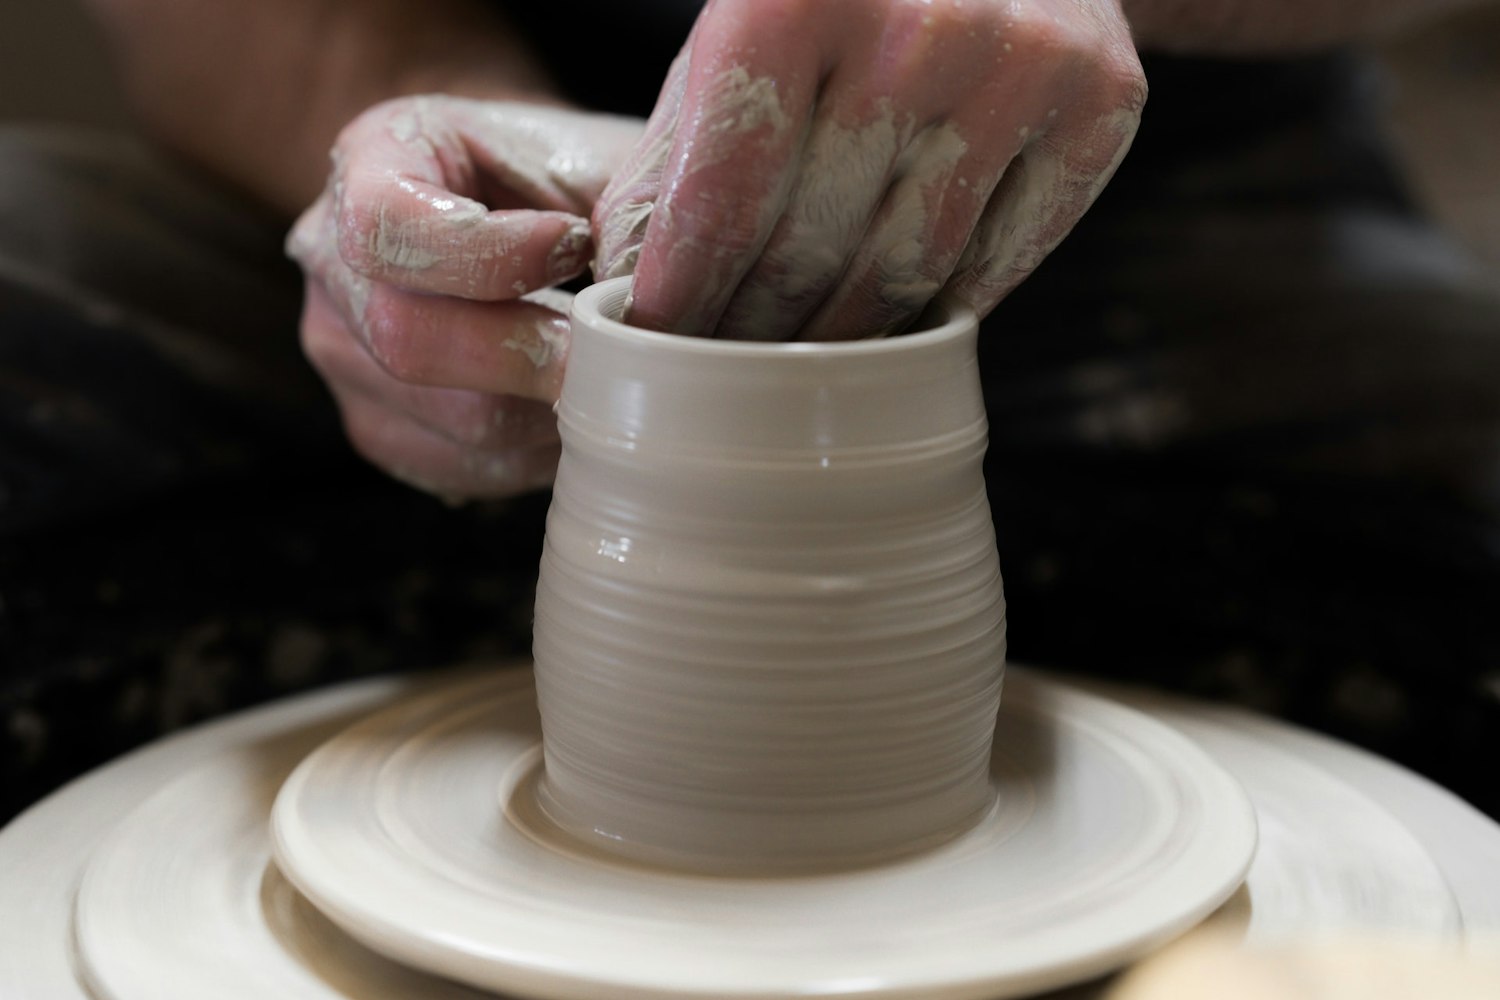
770 631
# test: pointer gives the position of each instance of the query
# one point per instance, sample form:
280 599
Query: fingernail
570 253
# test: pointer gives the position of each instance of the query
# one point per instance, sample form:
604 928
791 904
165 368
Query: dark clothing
1245 443
619 62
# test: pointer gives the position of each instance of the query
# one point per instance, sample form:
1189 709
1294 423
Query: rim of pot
943 319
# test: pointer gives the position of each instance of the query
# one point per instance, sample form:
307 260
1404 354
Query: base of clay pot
530 805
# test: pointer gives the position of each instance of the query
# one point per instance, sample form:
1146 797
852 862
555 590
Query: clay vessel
770 630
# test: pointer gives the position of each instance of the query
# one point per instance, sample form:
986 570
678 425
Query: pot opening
603 305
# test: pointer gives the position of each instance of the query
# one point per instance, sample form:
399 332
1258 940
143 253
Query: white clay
1350 844
769 623
418 832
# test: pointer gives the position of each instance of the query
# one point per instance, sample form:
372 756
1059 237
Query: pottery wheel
417 832
179 897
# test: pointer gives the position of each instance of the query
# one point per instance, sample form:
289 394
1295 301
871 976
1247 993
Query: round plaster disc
180 890
1111 833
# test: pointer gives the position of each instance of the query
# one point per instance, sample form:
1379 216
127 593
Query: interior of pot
606 303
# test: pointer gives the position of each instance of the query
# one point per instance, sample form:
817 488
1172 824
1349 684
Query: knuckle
1119 79
1131 89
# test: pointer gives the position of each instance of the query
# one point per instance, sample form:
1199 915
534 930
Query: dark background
223 596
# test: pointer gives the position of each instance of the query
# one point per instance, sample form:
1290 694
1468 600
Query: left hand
821 169
430 260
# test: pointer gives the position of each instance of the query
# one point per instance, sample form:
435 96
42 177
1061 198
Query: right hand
822 169
428 260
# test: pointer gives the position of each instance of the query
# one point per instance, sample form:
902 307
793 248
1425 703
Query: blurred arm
256 91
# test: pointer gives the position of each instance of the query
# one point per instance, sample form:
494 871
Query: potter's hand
820 169
427 261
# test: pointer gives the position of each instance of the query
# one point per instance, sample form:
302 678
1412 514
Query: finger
422 238
1046 190
312 243
851 154
624 209
998 77
921 227
752 78
507 348
403 216
890 131
510 348
466 418
392 425
911 246
1040 199
436 465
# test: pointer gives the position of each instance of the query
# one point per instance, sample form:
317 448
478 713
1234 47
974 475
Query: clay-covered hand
821 169
430 260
